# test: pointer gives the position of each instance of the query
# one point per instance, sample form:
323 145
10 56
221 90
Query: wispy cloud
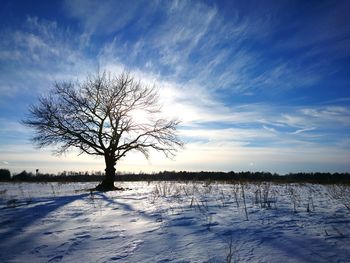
303 130
184 40
107 17
38 54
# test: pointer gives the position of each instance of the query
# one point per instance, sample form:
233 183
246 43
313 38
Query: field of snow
175 222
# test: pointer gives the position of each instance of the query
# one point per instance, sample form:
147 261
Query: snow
174 222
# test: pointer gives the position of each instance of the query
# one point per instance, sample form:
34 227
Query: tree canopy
99 116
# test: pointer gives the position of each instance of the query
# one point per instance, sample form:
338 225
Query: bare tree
99 117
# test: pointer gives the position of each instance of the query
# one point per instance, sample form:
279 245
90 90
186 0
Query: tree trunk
108 182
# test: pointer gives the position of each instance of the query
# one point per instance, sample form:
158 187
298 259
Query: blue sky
258 85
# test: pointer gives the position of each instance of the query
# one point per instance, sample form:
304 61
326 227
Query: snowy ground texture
175 222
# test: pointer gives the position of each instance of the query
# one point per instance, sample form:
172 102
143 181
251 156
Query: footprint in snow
117 257
52 232
56 259
37 250
83 234
127 250
112 235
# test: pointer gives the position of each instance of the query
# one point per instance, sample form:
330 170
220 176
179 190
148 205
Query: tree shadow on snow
15 220
124 206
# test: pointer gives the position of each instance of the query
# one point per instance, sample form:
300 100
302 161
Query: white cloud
106 17
335 114
226 157
303 130
37 55
270 129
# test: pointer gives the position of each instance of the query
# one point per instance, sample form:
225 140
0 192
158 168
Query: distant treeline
24 176
322 178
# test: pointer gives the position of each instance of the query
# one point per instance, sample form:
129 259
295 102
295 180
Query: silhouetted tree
5 175
103 115
23 176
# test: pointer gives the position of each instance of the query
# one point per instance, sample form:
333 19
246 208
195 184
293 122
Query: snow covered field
174 222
